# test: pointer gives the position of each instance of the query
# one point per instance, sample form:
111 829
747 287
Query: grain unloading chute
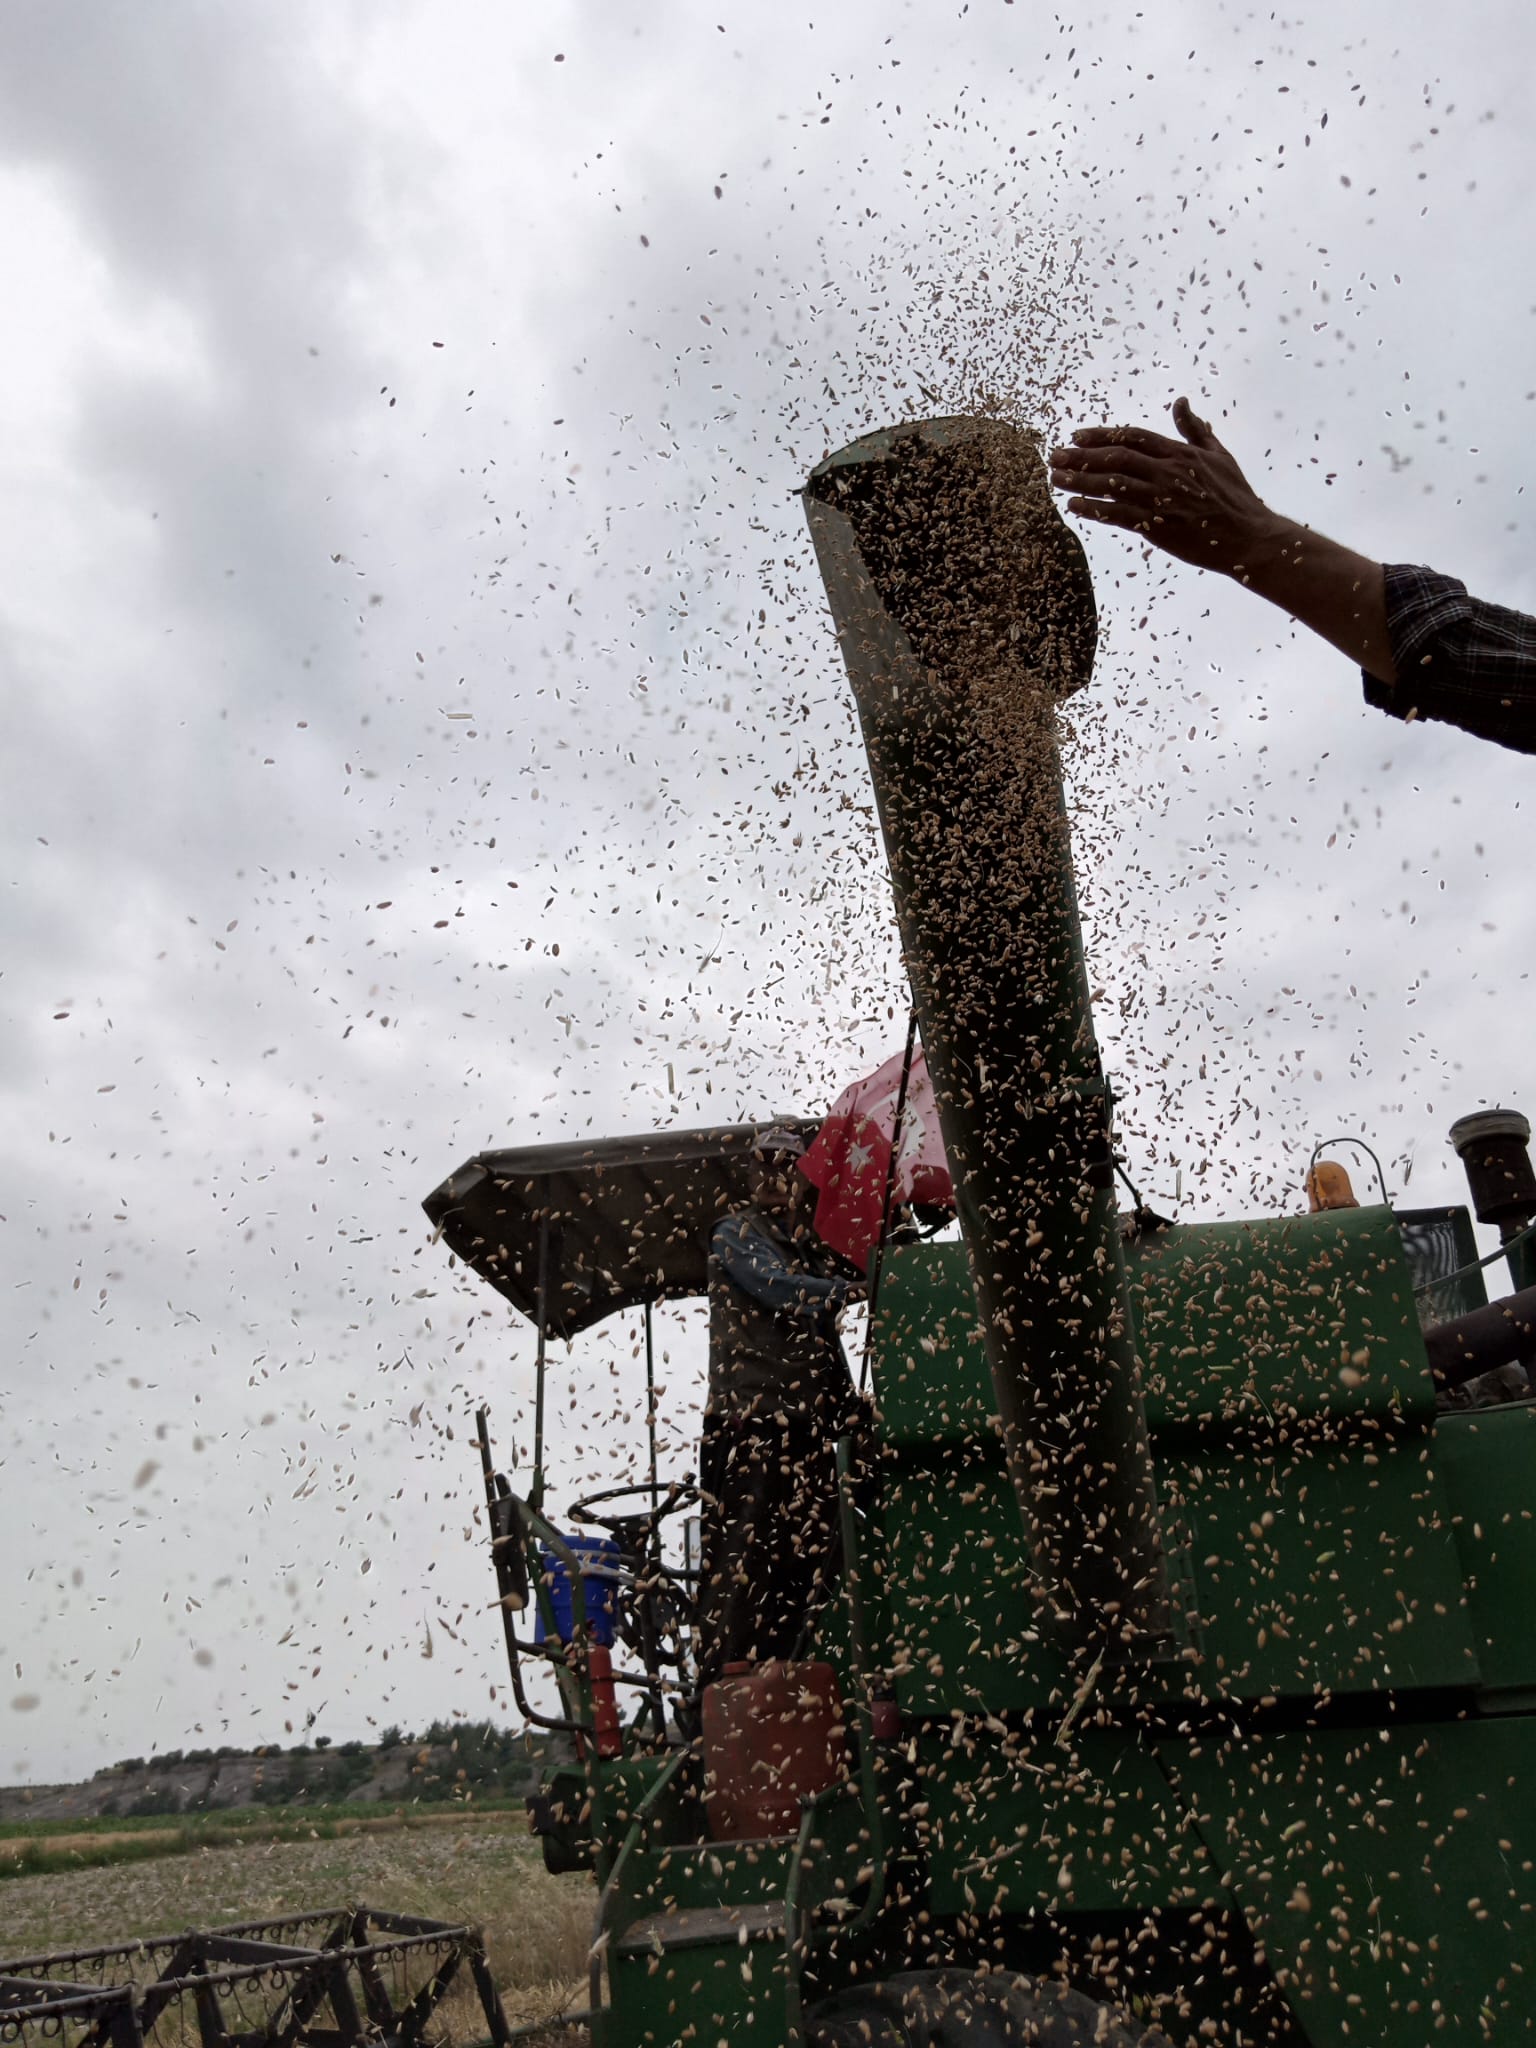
963 612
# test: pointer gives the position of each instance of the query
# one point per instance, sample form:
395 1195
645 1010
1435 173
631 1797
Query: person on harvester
1426 649
779 1398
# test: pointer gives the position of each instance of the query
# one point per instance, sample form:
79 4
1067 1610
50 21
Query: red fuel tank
773 1734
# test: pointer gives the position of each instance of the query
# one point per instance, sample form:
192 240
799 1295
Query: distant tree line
448 1760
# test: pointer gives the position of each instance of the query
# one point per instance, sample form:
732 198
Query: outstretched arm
755 1264
1190 498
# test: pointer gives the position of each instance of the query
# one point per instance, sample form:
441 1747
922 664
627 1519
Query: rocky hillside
449 1761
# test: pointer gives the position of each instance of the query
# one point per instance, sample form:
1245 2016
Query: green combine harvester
1185 1625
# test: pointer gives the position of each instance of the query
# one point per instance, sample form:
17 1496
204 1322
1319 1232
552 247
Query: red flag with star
850 1155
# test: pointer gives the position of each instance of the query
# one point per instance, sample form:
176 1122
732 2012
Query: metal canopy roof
629 1218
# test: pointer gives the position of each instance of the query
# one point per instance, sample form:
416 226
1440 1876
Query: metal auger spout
964 610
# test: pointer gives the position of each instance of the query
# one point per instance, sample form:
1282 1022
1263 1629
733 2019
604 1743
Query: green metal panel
1289 1315
690 1874
1318 1569
932 1383
626 1782
1389 1872
1293 1428
1292 1415
666 1986
1284 1318
711 1992
1017 1822
1487 1457
731 1992
1324 1567
962 1623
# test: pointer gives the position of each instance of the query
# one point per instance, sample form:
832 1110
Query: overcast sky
424 730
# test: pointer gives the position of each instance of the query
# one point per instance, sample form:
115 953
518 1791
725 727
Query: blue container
599 1560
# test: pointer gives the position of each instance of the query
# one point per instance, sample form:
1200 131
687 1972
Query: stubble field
486 1872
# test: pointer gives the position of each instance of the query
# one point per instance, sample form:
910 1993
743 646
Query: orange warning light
1328 1187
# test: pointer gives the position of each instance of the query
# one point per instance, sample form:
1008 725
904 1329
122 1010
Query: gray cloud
259 600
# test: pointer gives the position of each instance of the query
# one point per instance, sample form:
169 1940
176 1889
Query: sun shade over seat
629 1219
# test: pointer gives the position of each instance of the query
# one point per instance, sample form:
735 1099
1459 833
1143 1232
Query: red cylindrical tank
773 1735
605 1705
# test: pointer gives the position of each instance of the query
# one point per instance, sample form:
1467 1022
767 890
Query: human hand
1187 497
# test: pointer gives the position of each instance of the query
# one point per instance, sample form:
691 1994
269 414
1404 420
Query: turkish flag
851 1154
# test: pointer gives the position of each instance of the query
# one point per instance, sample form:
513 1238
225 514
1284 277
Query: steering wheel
679 1494
653 1602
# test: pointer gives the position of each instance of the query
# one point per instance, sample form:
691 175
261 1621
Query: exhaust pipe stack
964 611
1494 1148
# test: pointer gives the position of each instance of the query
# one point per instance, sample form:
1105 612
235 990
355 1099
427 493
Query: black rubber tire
958 2009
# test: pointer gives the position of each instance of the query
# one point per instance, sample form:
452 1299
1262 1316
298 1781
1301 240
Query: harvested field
487 1872
40 1846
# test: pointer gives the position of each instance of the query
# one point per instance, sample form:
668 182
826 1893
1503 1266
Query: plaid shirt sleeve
1458 659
